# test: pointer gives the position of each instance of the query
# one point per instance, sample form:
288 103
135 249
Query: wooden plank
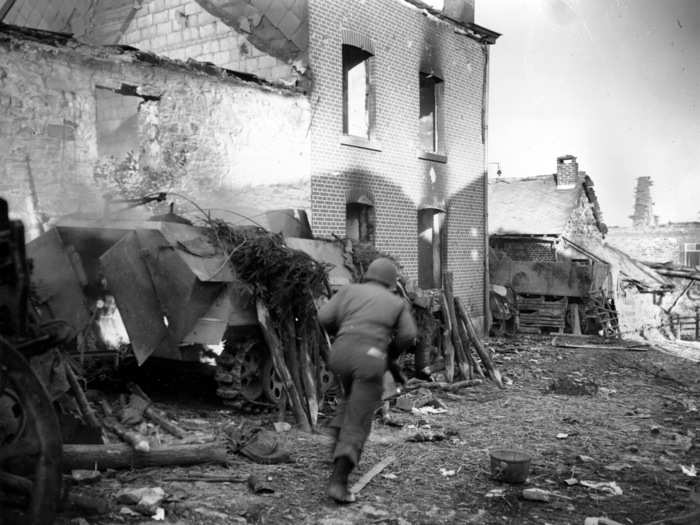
371 473
462 361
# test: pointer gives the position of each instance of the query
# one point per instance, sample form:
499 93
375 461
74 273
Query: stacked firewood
465 353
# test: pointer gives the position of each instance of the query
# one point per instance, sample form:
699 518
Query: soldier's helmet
382 270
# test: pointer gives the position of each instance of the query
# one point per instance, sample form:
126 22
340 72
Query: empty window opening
430 238
357 118
360 222
116 120
429 123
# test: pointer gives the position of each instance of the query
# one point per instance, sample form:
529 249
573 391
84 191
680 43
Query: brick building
393 117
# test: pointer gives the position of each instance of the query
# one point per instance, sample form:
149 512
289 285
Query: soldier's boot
338 483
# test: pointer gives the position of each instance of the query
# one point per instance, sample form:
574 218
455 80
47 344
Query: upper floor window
429 123
357 106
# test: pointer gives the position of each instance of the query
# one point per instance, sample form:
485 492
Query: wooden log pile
466 357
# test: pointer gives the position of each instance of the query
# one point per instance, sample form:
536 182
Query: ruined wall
661 243
582 222
637 312
182 29
214 140
389 168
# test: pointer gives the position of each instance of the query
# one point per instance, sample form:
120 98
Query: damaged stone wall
661 243
391 167
637 312
183 29
215 139
582 221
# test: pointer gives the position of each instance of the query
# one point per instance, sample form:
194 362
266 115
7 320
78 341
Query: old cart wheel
30 444
239 371
272 384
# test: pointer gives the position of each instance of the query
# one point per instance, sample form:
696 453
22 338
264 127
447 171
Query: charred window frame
431 112
360 222
358 104
431 236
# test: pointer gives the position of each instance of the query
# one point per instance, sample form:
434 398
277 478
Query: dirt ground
637 430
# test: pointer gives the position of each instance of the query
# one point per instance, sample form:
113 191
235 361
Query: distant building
547 240
647 240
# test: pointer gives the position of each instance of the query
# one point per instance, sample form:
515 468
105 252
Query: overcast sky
614 82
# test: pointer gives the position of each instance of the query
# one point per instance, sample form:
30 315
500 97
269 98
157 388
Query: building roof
530 206
534 205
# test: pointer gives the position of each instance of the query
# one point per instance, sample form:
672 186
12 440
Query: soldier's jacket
369 310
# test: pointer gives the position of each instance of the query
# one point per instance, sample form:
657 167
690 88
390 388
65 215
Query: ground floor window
430 240
360 222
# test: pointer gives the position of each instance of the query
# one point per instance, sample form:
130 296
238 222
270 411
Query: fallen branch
135 439
414 384
683 519
155 415
460 354
119 456
209 478
83 404
370 474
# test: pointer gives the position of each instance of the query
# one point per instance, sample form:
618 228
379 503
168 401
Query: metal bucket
510 466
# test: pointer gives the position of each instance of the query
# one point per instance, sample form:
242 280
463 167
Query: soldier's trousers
360 362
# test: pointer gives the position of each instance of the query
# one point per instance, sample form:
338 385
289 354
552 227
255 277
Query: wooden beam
5 8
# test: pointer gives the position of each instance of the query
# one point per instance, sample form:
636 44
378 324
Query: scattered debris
617 467
447 473
535 494
609 487
689 471
282 426
600 521
85 476
258 485
145 500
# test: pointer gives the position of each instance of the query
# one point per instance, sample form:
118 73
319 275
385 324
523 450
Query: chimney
567 172
459 10
643 205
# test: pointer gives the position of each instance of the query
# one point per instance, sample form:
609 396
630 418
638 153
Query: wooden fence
686 326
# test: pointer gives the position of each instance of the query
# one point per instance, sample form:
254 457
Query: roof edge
69 43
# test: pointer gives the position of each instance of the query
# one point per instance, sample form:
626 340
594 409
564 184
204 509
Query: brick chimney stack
459 10
567 172
643 204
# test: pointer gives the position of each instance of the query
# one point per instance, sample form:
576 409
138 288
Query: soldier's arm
328 314
406 331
